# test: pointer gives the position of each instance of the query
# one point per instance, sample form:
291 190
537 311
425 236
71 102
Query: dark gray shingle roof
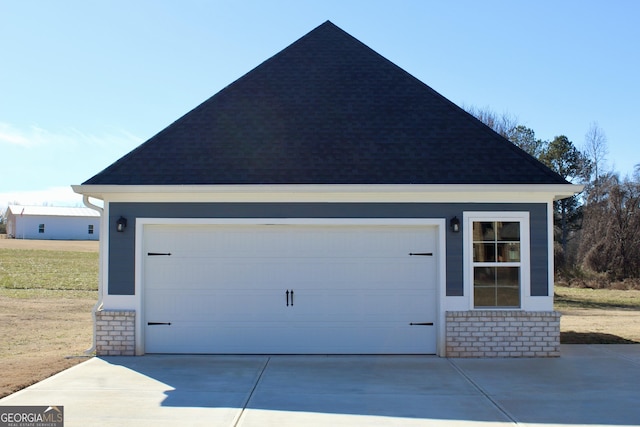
326 110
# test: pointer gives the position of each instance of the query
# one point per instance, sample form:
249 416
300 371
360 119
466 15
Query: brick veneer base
469 333
494 333
115 333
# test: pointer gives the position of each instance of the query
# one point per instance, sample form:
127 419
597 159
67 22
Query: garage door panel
356 289
202 273
346 306
209 308
297 273
260 338
349 306
287 241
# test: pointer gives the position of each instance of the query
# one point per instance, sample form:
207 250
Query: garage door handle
287 294
421 324
421 254
158 323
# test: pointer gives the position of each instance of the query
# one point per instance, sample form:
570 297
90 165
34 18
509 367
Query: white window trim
525 254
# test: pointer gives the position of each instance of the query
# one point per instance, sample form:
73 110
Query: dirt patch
572 337
41 337
51 245
600 326
45 329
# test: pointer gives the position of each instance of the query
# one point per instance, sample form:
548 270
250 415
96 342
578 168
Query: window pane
508 297
484 231
508 276
484 297
484 252
496 286
508 252
484 276
508 231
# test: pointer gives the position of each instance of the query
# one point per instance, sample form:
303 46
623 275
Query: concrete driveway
588 385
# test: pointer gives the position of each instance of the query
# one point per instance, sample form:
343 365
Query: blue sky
84 82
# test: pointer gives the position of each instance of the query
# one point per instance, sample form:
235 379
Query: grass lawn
598 316
47 290
567 298
47 270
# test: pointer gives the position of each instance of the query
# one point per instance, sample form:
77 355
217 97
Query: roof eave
329 193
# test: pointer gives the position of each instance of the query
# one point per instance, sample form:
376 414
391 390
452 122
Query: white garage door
289 289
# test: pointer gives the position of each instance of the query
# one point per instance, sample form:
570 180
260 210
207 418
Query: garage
282 288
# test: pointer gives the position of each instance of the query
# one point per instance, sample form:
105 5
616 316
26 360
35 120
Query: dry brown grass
50 245
598 316
41 336
42 331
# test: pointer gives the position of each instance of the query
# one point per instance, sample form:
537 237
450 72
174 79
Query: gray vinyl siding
122 245
539 252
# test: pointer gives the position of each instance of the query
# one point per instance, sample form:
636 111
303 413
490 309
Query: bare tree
611 230
3 222
503 124
596 150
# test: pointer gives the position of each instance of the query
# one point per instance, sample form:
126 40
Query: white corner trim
551 262
441 289
139 300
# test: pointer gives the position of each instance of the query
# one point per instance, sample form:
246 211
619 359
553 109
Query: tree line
597 232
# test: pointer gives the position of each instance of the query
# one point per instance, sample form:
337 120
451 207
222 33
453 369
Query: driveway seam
253 389
483 392
601 349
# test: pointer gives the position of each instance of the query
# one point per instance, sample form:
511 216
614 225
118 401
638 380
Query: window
498 265
90 229
41 228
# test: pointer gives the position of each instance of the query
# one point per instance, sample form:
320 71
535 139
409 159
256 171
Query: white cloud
68 137
54 196
32 136
44 161
12 136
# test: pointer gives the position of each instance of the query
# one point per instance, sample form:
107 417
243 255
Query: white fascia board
380 193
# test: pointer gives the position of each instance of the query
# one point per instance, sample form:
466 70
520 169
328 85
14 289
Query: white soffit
331 193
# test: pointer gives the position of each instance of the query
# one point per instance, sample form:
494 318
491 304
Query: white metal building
52 223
